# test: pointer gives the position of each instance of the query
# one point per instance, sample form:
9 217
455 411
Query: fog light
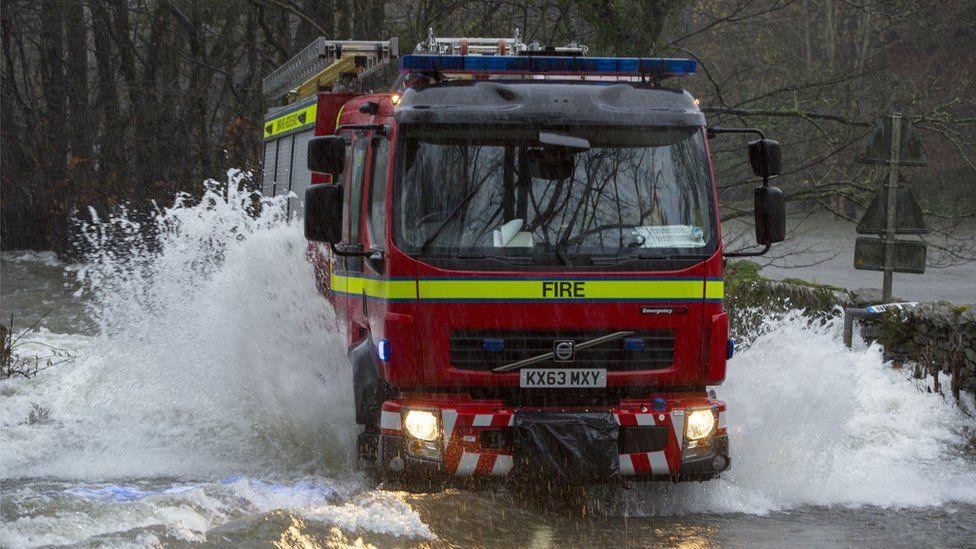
699 424
421 424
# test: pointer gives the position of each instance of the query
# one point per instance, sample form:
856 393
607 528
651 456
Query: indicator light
395 98
660 404
730 350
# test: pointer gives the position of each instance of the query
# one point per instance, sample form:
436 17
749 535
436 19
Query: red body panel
426 325
418 330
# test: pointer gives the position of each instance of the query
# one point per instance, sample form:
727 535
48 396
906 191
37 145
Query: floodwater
199 396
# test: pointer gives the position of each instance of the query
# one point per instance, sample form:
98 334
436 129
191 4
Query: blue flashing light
660 404
633 344
493 345
536 64
730 351
383 350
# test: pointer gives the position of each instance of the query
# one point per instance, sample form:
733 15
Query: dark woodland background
124 102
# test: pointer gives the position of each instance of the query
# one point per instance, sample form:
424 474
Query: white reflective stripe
503 464
617 417
659 463
511 420
467 464
626 464
390 420
482 420
644 419
721 420
678 425
448 417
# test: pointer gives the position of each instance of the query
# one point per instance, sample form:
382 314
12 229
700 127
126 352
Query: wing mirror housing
770 207
765 157
323 212
327 154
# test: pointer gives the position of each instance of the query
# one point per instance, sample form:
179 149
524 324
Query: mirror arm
342 252
713 131
754 253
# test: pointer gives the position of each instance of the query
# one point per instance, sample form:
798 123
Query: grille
485 350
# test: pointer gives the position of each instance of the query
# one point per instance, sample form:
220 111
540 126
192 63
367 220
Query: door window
377 191
355 189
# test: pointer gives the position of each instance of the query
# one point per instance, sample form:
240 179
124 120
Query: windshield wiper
508 260
611 260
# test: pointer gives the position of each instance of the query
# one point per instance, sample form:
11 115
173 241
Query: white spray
216 355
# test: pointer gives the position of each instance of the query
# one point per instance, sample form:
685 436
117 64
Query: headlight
699 424
421 424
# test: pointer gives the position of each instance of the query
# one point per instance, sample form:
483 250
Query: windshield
561 196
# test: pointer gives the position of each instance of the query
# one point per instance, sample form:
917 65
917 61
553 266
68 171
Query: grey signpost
894 210
889 259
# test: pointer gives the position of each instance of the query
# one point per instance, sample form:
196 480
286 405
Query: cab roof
501 102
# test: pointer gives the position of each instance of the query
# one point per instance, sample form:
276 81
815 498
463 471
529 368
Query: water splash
814 423
217 359
215 353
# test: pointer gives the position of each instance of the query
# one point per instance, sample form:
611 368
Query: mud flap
567 446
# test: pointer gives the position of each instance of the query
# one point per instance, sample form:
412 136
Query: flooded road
207 401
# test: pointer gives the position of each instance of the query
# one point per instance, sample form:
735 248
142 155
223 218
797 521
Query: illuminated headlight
699 424
421 425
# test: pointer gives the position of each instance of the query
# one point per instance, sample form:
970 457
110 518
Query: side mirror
770 214
765 157
323 212
327 154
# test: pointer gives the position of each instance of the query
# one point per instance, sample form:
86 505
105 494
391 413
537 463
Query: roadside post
894 210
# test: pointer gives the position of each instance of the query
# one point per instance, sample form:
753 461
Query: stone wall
933 337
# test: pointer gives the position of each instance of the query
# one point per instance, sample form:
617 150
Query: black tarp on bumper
567 446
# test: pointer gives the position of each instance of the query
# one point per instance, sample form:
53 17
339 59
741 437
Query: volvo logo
564 350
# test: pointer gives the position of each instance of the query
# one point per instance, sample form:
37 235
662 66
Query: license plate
544 378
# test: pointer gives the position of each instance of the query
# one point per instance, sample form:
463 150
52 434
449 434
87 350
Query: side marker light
383 350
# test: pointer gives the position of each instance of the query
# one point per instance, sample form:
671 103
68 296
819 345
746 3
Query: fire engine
524 251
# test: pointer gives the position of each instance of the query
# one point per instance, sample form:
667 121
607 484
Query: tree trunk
79 139
111 166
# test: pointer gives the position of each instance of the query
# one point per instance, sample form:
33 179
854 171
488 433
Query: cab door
351 296
375 223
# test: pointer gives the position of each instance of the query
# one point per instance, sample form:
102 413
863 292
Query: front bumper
477 440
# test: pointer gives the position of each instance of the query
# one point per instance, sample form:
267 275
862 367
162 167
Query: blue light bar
531 64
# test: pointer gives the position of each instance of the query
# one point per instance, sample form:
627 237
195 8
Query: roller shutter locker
301 177
267 184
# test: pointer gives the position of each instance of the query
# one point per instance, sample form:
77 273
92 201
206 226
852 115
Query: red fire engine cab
524 250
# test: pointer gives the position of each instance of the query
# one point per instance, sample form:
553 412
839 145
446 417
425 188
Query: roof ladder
492 46
323 63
